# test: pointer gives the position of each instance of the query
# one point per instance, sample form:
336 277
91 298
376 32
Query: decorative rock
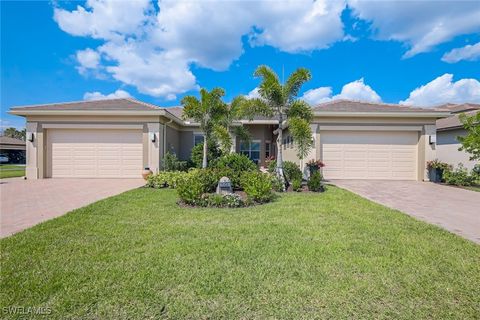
224 186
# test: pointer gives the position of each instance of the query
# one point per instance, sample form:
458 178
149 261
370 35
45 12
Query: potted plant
435 170
146 172
314 166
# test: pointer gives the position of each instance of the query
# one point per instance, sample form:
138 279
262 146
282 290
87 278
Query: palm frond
302 136
295 82
300 109
222 135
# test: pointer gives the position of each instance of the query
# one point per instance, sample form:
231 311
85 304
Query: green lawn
11 171
473 188
333 255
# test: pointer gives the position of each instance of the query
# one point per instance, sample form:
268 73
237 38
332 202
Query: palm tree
211 114
279 100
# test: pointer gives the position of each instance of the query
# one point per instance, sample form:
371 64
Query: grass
473 188
333 255
11 171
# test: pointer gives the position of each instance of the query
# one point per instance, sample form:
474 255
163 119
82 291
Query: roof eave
24 112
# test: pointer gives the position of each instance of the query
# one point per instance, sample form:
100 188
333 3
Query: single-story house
119 137
13 148
449 129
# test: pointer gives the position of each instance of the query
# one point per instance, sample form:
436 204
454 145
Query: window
197 138
251 150
268 150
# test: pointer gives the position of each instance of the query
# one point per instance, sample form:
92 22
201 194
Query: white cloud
154 47
317 95
469 53
105 19
355 90
253 94
87 59
420 24
153 50
100 96
444 90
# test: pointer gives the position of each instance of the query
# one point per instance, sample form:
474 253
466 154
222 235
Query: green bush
221 201
459 177
233 165
290 169
315 182
171 163
190 187
156 181
297 185
164 179
257 186
213 153
277 184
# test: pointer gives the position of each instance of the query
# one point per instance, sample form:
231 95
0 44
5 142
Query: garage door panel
369 154
95 153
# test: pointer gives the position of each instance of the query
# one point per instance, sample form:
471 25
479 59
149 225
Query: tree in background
14 133
279 100
471 142
211 114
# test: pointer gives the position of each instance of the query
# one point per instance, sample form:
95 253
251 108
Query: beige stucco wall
447 148
36 151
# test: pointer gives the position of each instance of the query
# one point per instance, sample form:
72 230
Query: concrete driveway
25 203
454 209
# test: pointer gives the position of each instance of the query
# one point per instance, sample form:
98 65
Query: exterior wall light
30 136
152 136
432 139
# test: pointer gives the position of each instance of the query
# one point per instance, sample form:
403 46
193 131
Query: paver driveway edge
25 203
453 209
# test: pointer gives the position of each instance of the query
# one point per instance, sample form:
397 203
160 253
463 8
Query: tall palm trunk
205 151
279 168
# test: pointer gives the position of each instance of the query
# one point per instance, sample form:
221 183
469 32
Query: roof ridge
150 105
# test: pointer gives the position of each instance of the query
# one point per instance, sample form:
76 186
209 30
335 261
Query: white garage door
94 153
369 154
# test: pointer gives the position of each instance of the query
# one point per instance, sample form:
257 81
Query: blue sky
416 53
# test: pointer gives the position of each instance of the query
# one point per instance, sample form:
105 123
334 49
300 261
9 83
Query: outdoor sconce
152 136
432 139
30 136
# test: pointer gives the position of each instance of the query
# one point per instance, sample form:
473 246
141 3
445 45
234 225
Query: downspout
165 137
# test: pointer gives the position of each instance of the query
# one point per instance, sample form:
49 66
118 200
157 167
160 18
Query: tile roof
12 141
456 108
362 106
122 104
453 122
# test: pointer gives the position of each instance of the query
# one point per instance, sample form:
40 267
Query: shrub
458 177
171 163
190 187
156 181
297 185
436 164
315 182
277 184
213 153
290 169
164 179
234 164
217 200
257 186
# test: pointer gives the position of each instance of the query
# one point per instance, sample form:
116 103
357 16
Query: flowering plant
436 164
315 164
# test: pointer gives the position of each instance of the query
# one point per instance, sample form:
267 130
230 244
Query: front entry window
198 138
251 150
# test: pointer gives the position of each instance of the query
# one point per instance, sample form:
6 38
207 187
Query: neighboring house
13 149
448 129
117 138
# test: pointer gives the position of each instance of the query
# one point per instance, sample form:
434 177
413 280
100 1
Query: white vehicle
3 158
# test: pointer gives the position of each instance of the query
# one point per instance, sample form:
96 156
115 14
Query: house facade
117 138
448 131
